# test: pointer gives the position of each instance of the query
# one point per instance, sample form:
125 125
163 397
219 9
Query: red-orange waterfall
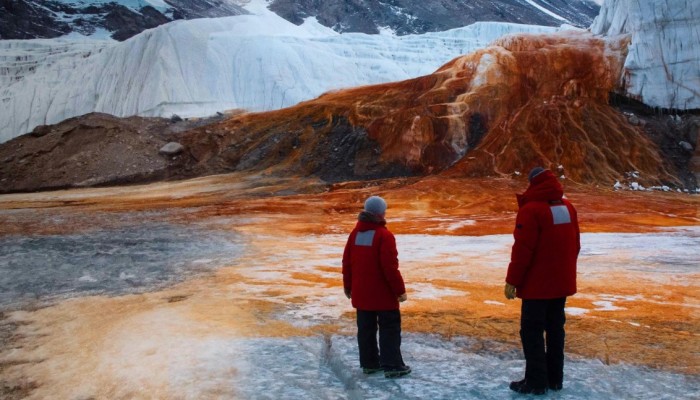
525 100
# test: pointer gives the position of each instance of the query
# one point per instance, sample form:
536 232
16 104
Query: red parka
371 267
547 242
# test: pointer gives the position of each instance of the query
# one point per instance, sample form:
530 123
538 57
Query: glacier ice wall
662 68
195 68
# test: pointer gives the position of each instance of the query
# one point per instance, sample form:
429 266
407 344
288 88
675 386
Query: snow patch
461 224
420 291
576 311
87 278
606 306
546 11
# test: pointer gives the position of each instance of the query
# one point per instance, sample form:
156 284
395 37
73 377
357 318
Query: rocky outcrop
20 19
663 62
409 17
125 23
31 19
93 150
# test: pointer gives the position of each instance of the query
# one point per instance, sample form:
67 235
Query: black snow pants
389 323
543 367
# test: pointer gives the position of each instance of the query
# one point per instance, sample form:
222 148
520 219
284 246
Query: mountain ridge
122 19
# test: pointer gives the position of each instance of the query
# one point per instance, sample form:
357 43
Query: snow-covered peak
662 68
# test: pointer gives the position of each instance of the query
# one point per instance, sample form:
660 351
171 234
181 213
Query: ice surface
108 261
667 256
162 353
662 68
325 368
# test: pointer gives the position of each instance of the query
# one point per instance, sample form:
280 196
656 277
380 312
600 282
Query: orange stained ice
90 346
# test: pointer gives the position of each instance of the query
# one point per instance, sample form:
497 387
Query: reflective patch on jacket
560 215
364 238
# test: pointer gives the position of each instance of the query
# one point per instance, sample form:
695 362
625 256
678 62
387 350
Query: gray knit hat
534 172
375 205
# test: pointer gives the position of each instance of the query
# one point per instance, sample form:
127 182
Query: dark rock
41 130
686 146
126 23
175 118
21 19
191 9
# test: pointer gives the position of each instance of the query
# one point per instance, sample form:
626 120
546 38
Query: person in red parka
372 281
542 272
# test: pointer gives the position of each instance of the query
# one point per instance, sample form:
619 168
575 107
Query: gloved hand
509 291
403 298
348 294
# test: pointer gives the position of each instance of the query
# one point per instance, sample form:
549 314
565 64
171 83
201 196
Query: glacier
254 62
662 68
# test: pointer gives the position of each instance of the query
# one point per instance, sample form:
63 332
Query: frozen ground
198 348
108 261
658 258
326 368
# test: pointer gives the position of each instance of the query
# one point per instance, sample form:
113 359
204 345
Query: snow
546 11
662 68
576 311
461 224
606 306
195 68
100 34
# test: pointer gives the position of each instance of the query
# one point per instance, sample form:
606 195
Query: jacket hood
544 187
367 221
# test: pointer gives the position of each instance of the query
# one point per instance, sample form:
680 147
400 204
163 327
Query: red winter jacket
547 242
371 267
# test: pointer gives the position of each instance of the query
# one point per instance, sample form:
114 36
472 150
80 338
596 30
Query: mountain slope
407 17
122 19
118 19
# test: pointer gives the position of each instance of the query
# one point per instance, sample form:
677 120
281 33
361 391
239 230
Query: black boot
396 372
525 388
